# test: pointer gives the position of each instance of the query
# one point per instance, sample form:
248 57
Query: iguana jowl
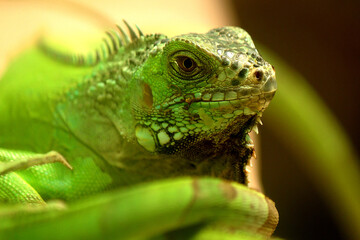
138 109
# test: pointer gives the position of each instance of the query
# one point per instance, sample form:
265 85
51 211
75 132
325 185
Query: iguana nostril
258 75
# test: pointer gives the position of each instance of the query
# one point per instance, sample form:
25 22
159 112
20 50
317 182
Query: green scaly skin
134 111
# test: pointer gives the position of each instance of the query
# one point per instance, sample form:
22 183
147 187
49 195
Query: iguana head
197 87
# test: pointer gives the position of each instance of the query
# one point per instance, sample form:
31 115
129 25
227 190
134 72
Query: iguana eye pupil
186 64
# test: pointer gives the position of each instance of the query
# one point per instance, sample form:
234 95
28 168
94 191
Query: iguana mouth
237 100
251 96
256 102
256 98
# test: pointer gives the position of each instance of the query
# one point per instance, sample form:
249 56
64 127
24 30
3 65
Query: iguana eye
185 63
188 66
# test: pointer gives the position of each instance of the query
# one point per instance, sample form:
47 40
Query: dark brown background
321 40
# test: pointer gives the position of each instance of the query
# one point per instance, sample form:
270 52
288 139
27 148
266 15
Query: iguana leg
13 188
161 209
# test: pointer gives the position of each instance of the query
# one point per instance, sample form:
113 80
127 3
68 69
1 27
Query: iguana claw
21 164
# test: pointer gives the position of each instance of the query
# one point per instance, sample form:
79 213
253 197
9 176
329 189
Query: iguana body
133 111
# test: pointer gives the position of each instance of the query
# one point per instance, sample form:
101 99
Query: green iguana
139 108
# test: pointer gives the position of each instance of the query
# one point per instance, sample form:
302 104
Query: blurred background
319 40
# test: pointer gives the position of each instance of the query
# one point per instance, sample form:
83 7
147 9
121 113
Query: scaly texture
137 109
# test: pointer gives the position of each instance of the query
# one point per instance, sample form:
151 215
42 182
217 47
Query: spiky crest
112 43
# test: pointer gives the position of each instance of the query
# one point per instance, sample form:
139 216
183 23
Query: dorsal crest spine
112 43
